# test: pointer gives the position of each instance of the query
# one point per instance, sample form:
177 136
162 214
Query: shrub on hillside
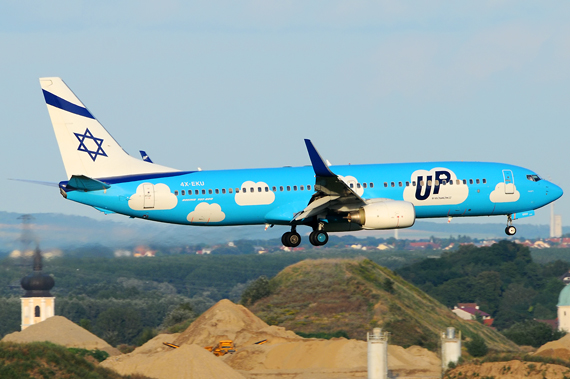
532 333
477 347
256 291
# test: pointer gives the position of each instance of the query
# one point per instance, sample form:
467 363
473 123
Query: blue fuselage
275 195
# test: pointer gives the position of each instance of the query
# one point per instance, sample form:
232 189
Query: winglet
319 165
145 156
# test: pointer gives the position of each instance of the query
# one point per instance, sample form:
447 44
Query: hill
353 296
46 360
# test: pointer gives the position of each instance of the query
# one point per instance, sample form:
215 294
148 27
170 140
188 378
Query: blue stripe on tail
65 105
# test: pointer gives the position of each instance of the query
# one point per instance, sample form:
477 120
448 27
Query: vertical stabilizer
85 145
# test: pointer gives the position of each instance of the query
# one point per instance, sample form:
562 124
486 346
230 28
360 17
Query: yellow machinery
222 348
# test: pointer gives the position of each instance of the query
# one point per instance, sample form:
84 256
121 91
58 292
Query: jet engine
392 214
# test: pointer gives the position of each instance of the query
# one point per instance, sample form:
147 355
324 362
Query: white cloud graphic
205 213
499 195
256 197
351 179
436 193
152 197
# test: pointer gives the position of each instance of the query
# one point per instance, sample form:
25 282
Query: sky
226 84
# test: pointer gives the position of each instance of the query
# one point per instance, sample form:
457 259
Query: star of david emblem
88 136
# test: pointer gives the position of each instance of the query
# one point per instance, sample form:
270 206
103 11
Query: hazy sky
232 84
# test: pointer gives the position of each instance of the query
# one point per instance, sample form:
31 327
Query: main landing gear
510 230
318 237
292 238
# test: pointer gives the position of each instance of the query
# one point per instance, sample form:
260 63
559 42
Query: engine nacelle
392 214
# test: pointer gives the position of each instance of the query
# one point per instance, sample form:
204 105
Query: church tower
37 303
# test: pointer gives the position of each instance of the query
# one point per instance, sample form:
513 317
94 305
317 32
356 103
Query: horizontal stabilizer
82 182
49 184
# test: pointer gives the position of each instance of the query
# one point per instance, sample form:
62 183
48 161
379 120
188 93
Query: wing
331 191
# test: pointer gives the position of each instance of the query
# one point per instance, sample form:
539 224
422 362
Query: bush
477 347
532 333
256 291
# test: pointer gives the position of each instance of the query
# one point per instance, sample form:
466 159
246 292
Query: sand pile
61 331
556 349
226 320
510 370
335 353
188 361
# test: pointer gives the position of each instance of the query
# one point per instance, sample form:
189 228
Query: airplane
323 197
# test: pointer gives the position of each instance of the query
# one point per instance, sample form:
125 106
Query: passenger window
266 189
357 185
294 188
451 182
436 182
301 188
217 191
237 190
175 193
429 182
288 188
308 187
385 184
413 183
407 184
203 192
251 189
351 185
223 190
183 192
464 181
230 190
477 180
364 185
421 183
371 185
484 181
274 189
392 184
470 181
258 189
210 191
443 182
281 188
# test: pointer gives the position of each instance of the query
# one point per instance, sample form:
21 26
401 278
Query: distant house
424 245
565 278
384 246
469 311
552 323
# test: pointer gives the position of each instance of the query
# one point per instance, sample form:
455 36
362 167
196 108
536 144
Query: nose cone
554 192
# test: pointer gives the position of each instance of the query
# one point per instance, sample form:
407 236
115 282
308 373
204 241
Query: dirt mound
188 361
556 349
510 370
226 320
312 355
61 331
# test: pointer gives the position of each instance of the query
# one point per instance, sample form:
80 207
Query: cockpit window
534 178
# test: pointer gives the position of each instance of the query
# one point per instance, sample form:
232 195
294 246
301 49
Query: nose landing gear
510 230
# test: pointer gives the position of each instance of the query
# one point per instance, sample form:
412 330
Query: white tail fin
86 147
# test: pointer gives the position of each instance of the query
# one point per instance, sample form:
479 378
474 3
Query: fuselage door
148 195
509 182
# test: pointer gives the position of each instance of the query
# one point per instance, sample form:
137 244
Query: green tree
257 290
119 325
477 346
532 333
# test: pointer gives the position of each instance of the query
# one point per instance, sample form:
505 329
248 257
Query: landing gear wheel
318 238
510 230
293 239
285 239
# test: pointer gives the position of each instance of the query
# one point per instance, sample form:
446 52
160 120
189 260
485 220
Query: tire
321 238
510 230
285 239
